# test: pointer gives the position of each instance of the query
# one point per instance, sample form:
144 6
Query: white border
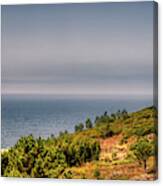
54 182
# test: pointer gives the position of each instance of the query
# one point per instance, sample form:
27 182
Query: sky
101 48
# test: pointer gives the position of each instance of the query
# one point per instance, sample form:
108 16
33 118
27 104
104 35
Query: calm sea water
46 115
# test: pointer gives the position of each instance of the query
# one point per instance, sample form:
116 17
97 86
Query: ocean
43 115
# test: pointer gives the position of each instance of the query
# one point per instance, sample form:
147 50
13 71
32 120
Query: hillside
117 146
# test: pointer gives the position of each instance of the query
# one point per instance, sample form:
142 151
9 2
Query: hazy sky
102 48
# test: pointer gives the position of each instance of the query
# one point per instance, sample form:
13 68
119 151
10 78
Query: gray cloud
82 47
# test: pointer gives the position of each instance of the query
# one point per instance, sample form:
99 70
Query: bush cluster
32 157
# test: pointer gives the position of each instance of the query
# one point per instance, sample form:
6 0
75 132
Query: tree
83 150
79 127
118 114
124 114
97 119
105 113
113 116
50 157
4 162
88 123
142 150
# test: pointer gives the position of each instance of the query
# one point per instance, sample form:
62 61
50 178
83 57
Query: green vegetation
143 149
97 173
79 127
48 158
99 150
88 123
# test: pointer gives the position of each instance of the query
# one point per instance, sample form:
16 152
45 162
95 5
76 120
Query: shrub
143 149
68 174
79 127
83 150
88 123
96 173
